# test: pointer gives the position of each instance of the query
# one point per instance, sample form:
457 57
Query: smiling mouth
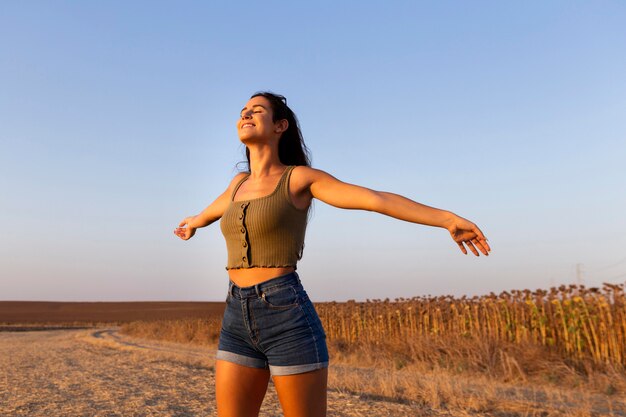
247 125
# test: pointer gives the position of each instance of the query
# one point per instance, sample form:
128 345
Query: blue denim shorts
273 325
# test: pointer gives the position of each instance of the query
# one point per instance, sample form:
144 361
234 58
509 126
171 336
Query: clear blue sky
117 120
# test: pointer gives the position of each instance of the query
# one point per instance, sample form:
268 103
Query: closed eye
255 111
258 111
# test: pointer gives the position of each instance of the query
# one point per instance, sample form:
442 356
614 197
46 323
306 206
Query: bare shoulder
308 175
239 176
236 179
304 179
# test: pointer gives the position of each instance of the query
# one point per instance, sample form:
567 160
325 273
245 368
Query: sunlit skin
301 394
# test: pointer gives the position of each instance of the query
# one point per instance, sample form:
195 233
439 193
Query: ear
281 125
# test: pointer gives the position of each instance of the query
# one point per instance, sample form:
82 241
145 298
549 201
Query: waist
258 289
245 277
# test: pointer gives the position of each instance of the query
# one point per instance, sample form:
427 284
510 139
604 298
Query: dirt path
102 373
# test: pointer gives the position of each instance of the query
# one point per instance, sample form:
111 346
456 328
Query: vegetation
578 323
556 352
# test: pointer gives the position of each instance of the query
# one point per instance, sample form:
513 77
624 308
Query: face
255 121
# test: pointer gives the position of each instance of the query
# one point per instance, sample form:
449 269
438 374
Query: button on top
243 205
244 244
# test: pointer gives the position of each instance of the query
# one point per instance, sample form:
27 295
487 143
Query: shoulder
304 177
308 175
237 179
304 171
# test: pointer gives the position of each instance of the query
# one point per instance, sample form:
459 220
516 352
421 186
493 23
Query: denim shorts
273 325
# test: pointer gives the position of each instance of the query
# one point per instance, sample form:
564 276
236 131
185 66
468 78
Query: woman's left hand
467 233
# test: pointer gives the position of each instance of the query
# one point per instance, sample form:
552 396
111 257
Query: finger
472 248
184 222
462 247
483 242
481 245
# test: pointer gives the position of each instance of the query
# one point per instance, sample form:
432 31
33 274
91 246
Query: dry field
446 375
98 372
102 372
80 313
585 326
560 352
555 352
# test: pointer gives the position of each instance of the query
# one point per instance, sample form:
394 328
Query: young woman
270 327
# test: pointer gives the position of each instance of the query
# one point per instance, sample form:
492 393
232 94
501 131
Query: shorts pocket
281 297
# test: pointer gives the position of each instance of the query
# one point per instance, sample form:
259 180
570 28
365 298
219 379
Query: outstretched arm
330 190
210 214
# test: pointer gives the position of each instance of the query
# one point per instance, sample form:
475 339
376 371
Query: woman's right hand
185 233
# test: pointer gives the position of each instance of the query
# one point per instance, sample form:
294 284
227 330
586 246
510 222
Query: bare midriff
246 277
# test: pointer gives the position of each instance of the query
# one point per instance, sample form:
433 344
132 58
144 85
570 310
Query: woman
270 327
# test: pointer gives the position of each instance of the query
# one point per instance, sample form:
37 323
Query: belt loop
259 293
230 288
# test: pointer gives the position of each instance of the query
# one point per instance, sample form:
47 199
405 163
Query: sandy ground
99 372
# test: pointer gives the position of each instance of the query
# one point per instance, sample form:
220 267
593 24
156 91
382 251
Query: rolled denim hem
296 369
240 359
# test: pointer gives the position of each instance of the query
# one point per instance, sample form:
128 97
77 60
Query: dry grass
194 331
511 352
582 325
555 352
99 372
476 376
460 377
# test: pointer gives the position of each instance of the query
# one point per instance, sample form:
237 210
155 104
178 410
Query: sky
117 120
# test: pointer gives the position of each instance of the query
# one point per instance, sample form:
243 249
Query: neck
264 161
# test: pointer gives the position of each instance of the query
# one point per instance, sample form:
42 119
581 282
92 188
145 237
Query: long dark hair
291 147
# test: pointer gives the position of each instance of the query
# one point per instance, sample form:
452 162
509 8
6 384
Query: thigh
292 336
303 395
239 389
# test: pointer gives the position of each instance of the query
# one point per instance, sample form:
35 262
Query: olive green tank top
266 231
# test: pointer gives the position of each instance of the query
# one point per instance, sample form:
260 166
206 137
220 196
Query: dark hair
291 147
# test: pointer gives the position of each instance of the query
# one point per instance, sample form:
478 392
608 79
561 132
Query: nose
245 115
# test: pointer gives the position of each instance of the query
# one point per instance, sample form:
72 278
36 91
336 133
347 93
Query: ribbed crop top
266 231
